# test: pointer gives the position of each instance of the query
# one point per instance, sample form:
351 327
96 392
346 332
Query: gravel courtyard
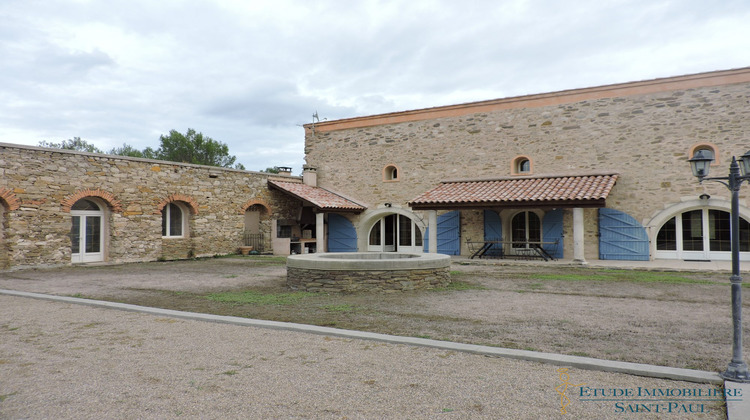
67 361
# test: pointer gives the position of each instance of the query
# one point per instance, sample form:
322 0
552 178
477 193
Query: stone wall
387 281
645 137
38 187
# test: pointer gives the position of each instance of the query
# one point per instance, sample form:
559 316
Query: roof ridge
540 176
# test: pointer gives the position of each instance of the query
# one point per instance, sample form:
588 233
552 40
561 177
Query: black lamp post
737 370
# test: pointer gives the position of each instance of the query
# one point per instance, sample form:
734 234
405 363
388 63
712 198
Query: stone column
578 232
320 232
432 234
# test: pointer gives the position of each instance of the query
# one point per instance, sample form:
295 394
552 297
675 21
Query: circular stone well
367 271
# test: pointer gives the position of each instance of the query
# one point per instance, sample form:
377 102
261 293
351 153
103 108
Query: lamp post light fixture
737 370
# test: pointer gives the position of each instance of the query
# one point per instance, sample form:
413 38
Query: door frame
82 256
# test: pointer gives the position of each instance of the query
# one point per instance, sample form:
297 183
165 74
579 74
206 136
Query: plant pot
244 250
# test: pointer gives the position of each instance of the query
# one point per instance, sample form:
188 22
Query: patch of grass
345 307
4 397
258 298
633 276
458 285
229 372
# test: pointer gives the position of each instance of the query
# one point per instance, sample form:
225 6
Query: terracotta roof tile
319 197
507 191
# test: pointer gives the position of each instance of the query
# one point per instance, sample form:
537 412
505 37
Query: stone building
583 174
60 207
594 173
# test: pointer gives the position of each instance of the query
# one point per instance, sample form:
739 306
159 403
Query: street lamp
737 370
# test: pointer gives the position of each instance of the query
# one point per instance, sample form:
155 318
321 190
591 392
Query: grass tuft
258 298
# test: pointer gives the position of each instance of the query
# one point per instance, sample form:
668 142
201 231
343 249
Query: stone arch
254 202
9 198
108 198
192 205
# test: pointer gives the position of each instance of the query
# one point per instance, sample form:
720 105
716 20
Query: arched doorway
395 233
525 227
700 234
87 231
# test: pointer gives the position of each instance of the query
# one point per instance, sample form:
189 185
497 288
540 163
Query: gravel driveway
60 360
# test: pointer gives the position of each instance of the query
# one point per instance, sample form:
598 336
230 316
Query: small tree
128 150
72 144
193 147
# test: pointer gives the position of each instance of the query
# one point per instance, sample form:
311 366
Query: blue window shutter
448 234
342 237
552 225
493 231
621 237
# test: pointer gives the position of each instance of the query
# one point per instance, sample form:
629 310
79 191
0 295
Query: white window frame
166 213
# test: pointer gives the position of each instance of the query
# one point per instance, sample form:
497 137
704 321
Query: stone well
347 272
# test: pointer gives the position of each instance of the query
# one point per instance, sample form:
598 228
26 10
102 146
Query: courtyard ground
677 319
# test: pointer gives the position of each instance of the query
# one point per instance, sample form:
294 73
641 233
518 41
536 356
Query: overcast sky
250 73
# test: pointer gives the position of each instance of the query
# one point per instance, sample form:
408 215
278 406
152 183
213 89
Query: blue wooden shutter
448 234
342 237
552 225
493 231
621 237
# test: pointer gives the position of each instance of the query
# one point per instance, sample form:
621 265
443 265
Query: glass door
86 232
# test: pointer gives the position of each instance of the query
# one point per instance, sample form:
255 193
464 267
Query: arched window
174 220
521 166
395 232
391 173
708 150
526 228
700 234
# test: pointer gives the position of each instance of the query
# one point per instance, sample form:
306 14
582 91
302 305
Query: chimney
310 176
285 171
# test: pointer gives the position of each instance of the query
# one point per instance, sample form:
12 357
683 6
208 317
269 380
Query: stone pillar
320 232
432 234
578 233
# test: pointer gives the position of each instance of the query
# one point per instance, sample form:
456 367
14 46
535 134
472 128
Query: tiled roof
319 197
578 190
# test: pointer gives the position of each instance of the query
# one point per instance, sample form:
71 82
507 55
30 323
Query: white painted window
173 221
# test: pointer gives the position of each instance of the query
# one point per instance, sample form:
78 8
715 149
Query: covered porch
521 217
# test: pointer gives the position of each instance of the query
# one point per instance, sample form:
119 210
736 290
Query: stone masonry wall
46 182
387 281
646 138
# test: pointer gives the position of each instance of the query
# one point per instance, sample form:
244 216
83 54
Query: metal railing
254 240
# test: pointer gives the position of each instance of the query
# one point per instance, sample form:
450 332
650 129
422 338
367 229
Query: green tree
193 147
72 144
270 170
128 150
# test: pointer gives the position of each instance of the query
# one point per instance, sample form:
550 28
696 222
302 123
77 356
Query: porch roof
519 192
320 198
